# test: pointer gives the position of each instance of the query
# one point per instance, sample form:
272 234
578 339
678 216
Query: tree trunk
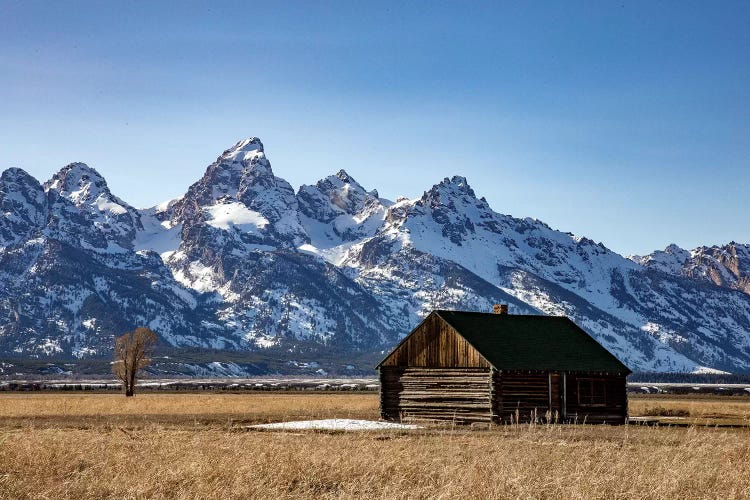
132 383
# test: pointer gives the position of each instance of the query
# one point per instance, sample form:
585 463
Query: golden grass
699 409
195 409
101 446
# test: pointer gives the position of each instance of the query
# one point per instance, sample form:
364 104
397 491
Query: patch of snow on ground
336 424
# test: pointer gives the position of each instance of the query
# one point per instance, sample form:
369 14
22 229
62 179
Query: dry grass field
197 445
696 409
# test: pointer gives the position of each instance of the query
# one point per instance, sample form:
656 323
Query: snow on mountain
242 261
726 266
336 212
160 236
242 177
59 299
670 260
23 205
70 279
541 269
240 228
235 215
80 196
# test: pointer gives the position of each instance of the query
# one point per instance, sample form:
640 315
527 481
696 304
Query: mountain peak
344 176
77 181
449 189
669 260
15 174
17 180
458 184
80 169
85 188
674 249
244 150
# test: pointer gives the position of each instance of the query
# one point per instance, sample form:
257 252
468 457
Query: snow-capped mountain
242 261
24 206
71 278
727 266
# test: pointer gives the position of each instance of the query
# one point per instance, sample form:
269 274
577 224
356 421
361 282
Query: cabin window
592 392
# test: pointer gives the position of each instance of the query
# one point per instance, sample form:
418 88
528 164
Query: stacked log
458 394
521 397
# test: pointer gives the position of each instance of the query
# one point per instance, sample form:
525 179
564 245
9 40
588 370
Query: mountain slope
667 325
23 204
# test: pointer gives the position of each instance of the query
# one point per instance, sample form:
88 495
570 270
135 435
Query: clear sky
627 122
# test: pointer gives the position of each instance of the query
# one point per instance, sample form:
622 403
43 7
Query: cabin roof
530 342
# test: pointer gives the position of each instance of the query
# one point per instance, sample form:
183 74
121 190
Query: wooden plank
434 343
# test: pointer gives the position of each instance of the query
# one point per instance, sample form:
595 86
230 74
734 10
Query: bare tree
132 353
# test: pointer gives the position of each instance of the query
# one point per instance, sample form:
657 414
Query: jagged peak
18 175
731 247
458 180
16 181
244 150
84 186
336 185
345 177
341 179
453 187
74 177
246 162
457 183
735 245
674 249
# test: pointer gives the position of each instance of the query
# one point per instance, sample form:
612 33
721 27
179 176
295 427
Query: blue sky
627 122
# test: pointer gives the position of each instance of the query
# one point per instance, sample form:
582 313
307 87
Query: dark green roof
526 342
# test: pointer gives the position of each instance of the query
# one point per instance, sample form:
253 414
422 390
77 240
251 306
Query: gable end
435 343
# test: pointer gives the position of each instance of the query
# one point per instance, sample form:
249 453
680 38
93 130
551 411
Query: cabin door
555 396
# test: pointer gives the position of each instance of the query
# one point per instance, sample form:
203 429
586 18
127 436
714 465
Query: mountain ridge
243 261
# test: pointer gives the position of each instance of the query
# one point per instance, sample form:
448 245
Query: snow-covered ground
336 424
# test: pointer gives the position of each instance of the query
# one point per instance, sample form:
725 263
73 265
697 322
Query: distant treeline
690 378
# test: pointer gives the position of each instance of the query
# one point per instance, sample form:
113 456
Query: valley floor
198 445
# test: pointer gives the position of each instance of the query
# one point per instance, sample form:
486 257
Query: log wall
520 396
467 395
456 394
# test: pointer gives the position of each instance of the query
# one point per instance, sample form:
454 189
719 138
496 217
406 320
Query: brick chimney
500 309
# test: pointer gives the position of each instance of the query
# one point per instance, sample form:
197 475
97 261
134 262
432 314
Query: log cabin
470 367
